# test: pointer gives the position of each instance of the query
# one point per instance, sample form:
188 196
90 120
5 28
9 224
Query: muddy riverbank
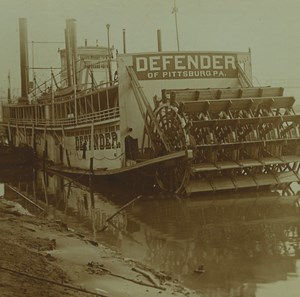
44 257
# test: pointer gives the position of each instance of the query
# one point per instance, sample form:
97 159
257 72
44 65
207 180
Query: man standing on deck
84 147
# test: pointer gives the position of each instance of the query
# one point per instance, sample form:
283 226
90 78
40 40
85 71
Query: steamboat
189 122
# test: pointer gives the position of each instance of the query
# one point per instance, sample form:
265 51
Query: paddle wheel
233 138
172 175
238 138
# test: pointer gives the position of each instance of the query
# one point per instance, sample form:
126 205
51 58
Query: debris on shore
45 258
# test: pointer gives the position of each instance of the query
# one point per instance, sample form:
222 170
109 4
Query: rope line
74 179
77 152
106 158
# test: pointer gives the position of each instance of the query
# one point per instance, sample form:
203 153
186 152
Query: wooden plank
207 94
228 93
250 163
244 104
291 118
249 92
224 165
271 161
241 182
224 93
216 106
248 143
196 107
203 167
190 94
265 179
287 177
290 158
227 165
195 186
247 121
282 102
233 199
223 183
275 91
245 182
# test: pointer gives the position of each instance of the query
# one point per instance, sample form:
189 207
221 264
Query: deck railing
100 116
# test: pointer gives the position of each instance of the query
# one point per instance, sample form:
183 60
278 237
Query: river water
231 245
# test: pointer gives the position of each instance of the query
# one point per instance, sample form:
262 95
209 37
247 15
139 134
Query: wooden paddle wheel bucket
234 138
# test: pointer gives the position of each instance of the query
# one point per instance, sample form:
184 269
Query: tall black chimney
124 41
68 58
71 29
159 44
24 58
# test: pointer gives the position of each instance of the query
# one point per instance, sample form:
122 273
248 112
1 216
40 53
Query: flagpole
175 9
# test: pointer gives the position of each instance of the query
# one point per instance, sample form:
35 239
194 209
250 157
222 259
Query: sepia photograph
149 148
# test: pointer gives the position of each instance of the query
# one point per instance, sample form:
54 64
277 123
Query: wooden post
34 184
44 160
17 136
36 112
45 137
32 136
92 148
52 100
9 134
63 144
68 158
45 188
45 152
109 56
91 175
25 134
92 139
75 95
63 140
92 164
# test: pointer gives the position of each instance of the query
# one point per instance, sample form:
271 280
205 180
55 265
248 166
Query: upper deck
100 105
102 101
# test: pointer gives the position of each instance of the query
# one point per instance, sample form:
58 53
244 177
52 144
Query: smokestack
159 41
71 27
68 58
9 88
24 58
124 41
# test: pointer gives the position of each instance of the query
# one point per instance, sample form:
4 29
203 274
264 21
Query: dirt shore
46 258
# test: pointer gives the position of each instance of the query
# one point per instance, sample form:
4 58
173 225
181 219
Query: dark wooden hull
13 174
14 156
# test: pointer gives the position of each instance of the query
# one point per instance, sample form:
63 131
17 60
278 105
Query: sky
270 28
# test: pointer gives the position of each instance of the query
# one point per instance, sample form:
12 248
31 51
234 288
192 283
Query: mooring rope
106 158
74 179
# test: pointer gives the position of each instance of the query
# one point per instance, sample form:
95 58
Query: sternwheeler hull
187 122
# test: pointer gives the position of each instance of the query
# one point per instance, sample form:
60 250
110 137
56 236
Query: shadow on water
244 241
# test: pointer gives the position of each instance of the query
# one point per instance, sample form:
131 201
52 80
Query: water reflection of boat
241 241
72 202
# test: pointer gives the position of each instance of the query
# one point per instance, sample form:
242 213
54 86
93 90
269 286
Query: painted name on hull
184 66
103 141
